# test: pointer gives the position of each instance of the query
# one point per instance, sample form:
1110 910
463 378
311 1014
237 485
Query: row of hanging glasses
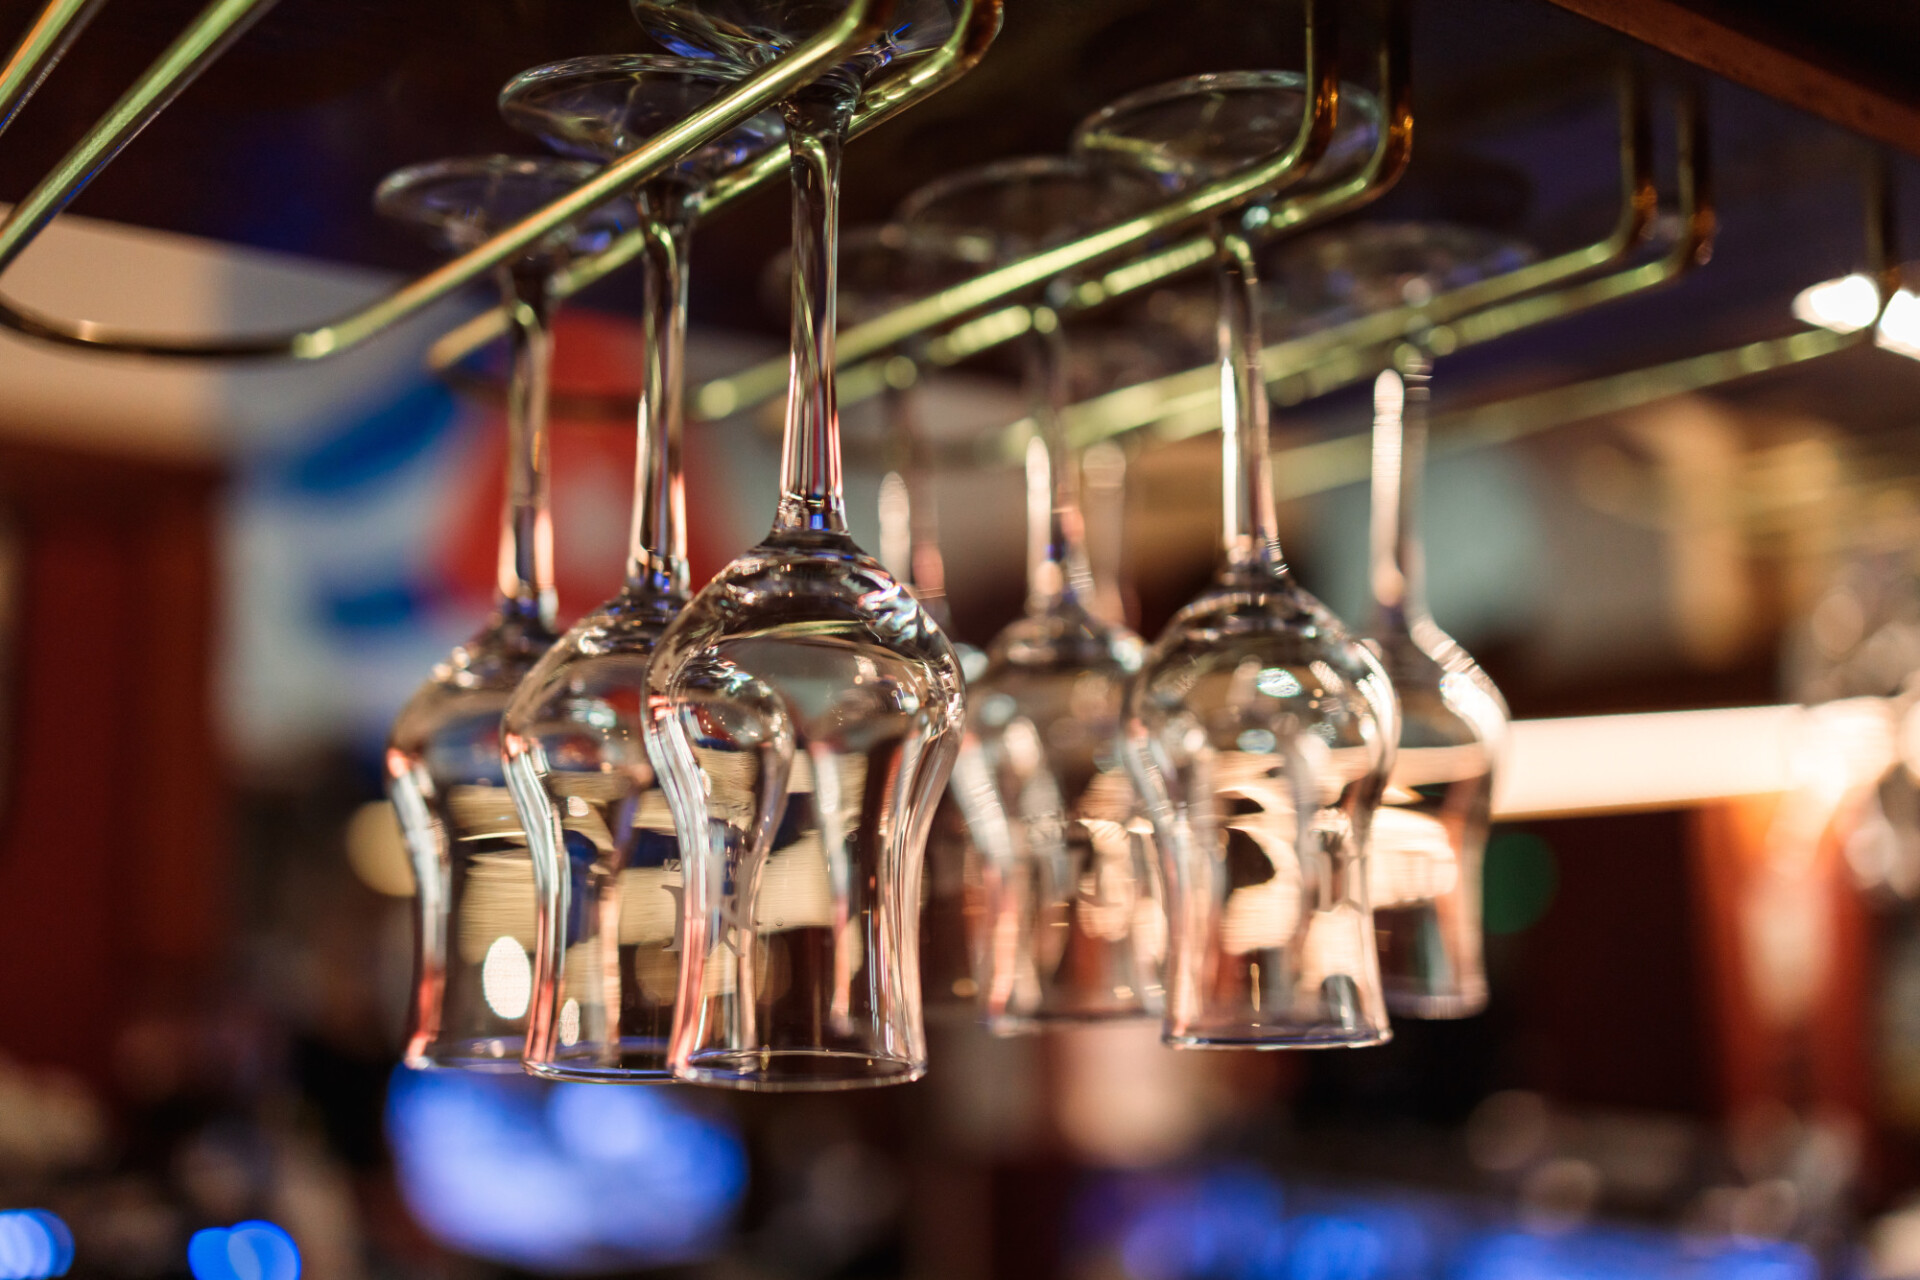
686 839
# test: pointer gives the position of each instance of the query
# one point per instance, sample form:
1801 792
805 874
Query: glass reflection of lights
34 1245
252 1250
506 978
1241 1222
568 1178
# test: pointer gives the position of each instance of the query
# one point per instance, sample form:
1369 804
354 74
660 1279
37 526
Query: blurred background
218 584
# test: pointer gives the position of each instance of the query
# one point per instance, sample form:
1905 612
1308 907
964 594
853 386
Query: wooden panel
113 865
1776 70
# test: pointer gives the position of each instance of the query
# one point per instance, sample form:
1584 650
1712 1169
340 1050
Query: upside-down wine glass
1429 837
1073 929
1260 733
880 269
804 709
474 901
606 860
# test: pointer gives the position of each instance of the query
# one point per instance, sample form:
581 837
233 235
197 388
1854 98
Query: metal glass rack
997 306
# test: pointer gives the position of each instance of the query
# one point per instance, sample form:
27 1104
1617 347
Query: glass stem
657 541
1397 571
811 496
526 529
926 567
1250 528
1057 570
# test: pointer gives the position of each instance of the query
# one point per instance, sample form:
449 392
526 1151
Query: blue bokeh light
34 1245
252 1250
569 1177
1612 1253
1239 1222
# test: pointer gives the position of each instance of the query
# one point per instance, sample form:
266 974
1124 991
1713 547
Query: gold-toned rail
39 49
1327 464
222 22
1185 404
1322 361
878 337
975 25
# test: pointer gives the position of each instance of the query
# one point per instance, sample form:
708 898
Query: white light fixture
1677 759
1847 305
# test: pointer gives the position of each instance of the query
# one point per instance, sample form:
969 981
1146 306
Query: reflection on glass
1046 801
605 856
804 707
475 905
1259 733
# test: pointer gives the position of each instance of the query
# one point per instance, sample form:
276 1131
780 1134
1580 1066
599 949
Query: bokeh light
569 1177
252 1250
34 1245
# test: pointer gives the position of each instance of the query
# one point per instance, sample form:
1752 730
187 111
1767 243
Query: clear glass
475 928
1194 130
804 711
1073 930
879 269
605 856
1429 838
750 33
1259 733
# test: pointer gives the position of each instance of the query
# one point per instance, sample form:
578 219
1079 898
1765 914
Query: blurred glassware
1259 733
804 708
605 858
1073 927
1329 279
1429 838
1103 482
1861 640
473 980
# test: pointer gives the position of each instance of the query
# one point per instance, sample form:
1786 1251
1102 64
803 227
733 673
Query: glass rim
410 180
1002 172
610 67
962 244
1423 237
1367 102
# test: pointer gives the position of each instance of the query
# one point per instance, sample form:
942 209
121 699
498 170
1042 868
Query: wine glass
878 271
804 709
1073 929
606 860
1430 835
881 269
473 981
1259 732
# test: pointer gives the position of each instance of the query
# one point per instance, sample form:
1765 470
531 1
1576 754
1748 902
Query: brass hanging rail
967 300
867 360
1327 464
1302 368
1191 396
976 24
